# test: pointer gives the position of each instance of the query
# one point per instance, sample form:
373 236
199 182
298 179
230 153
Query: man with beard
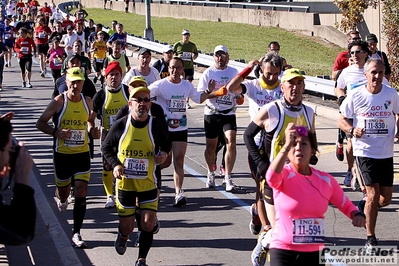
134 146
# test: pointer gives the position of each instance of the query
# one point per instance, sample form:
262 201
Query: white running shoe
210 182
77 241
230 186
62 206
110 202
180 200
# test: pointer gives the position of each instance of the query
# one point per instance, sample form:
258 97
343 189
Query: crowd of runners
143 127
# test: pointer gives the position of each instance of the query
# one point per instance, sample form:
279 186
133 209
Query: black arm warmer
262 162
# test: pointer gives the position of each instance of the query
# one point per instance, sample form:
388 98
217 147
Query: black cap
72 56
144 50
371 38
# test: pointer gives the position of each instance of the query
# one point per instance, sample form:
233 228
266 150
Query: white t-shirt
353 77
376 114
68 41
172 97
259 96
222 78
151 78
81 37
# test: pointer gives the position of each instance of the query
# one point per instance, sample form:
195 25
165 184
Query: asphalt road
211 230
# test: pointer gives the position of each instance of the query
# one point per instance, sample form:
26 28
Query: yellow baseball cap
291 73
75 73
138 79
136 90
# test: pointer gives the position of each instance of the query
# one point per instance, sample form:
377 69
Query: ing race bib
308 231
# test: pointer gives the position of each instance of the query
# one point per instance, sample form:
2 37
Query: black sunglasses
139 99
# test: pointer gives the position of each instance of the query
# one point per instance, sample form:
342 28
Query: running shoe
222 170
140 263
230 186
71 197
110 202
42 74
210 180
157 226
339 152
180 200
29 85
62 206
120 245
255 224
6 65
348 178
259 254
23 84
371 245
137 241
77 241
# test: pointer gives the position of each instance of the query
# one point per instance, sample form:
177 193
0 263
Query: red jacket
24 47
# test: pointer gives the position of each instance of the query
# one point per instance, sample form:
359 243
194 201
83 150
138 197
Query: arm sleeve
249 138
162 143
124 111
274 179
340 200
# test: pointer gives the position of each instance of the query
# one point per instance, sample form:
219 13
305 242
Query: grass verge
244 41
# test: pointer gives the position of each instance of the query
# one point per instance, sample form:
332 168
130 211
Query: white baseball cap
185 32
220 48
167 48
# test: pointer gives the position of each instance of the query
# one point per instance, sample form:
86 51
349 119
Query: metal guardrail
314 84
243 4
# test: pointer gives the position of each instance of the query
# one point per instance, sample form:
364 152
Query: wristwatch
351 130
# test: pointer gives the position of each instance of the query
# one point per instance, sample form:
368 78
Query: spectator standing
372 40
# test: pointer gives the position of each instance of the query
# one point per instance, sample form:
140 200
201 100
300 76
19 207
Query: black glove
341 99
261 170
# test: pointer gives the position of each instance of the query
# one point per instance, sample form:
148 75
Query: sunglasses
140 100
220 55
356 52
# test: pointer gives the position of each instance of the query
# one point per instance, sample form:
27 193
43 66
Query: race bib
34 7
77 139
111 120
99 60
186 56
136 168
57 62
24 50
225 99
42 34
7 36
177 105
308 231
375 127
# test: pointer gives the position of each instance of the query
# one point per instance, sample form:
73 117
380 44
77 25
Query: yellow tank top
101 50
73 116
113 102
136 151
121 61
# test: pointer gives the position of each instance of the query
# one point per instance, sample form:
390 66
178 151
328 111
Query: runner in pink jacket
301 196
